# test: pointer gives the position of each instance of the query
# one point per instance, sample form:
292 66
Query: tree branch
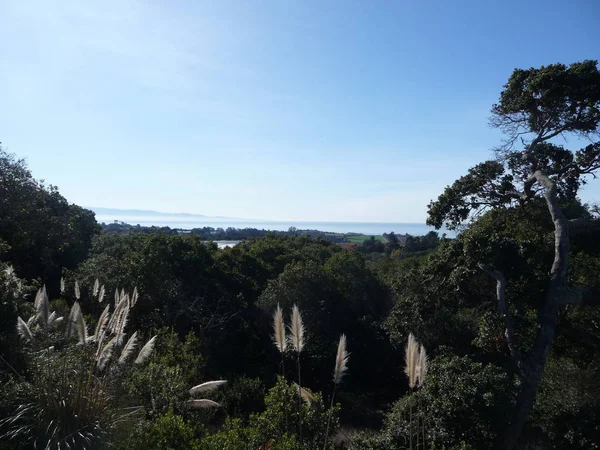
561 227
509 321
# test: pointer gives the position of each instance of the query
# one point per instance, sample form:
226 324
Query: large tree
537 109
40 232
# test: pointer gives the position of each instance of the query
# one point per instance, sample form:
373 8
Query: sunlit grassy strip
359 238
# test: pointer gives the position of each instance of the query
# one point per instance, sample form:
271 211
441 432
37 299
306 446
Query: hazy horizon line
129 213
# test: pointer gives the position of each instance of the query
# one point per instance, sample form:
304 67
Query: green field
359 238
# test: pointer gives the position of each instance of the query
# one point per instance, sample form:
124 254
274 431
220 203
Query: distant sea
187 223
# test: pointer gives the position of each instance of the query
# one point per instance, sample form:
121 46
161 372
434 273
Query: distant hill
140 212
147 213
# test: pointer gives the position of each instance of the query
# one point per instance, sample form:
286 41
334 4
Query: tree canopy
535 107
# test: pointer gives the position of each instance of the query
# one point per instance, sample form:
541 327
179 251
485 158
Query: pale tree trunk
531 365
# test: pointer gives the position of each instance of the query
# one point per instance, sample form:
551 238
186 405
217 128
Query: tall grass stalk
297 340
410 369
341 365
281 344
279 336
421 375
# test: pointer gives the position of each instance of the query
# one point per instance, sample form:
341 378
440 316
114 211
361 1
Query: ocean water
375 228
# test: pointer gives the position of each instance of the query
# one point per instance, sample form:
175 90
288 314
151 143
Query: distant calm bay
375 228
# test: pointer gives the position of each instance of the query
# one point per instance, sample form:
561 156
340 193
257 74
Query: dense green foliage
232 233
40 232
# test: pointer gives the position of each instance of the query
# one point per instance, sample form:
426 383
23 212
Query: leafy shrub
166 432
163 384
463 400
277 425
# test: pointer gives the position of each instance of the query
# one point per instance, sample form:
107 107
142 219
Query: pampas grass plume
102 322
207 387
297 330
53 319
71 326
134 296
410 359
146 351
82 332
305 394
129 348
42 305
341 360
203 403
24 330
279 330
105 354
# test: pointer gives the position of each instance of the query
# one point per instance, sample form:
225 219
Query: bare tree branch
509 321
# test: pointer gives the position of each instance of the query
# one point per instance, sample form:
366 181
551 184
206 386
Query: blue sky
291 110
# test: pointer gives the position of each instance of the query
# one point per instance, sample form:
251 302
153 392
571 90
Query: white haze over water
187 223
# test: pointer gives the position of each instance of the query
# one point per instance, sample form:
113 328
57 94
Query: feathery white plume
305 394
42 306
77 290
145 351
38 297
203 403
122 323
297 330
101 294
102 322
96 287
341 360
279 330
207 387
53 319
129 348
62 285
72 321
105 354
82 332
113 324
24 330
134 296
58 320
410 359
76 324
